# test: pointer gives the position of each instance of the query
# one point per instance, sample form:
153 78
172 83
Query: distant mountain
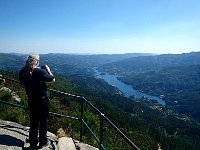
65 64
69 64
11 62
151 63
90 60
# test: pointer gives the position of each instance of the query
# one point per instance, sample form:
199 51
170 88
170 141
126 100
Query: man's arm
49 72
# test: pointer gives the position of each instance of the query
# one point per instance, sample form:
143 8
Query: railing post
81 120
101 132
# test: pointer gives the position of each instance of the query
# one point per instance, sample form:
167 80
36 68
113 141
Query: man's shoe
44 145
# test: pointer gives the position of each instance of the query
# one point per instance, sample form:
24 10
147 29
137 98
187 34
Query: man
34 79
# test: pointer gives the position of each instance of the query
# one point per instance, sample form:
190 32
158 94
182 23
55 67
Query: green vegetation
180 87
147 124
176 78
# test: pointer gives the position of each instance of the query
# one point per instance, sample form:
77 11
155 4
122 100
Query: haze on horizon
100 26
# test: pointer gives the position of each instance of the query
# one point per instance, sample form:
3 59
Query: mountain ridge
151 63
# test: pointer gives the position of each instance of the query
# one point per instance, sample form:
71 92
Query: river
125 88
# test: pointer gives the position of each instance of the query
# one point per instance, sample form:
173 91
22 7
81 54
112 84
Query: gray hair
32 61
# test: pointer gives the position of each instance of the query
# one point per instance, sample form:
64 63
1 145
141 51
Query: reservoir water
125 88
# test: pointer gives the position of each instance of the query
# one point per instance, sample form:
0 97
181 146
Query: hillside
176 77
180 86
144 122
10 62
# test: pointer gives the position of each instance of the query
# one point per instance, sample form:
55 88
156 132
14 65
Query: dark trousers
39 109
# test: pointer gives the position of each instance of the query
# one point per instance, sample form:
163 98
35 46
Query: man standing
34 79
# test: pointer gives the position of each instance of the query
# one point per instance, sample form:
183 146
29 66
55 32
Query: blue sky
99 26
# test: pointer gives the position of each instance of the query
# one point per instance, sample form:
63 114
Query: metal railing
83 101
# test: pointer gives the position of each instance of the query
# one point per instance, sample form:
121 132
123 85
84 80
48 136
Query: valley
175 77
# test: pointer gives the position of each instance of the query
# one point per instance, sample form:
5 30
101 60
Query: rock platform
13 136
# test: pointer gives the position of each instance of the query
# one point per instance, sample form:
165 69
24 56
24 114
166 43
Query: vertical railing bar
90 131
101 131
102 147
81 120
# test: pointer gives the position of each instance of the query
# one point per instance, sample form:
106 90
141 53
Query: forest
179 86
146 123
174 77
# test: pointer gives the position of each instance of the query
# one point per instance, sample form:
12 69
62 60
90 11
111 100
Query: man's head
32 61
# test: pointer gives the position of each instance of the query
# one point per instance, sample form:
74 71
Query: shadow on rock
10 141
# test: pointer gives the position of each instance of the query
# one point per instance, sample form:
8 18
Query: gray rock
66 143
13 136
83 146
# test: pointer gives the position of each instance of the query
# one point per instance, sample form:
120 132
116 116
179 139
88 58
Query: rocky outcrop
13 136
12 93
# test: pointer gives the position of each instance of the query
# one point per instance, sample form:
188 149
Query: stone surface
66 143
83 146
13 136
